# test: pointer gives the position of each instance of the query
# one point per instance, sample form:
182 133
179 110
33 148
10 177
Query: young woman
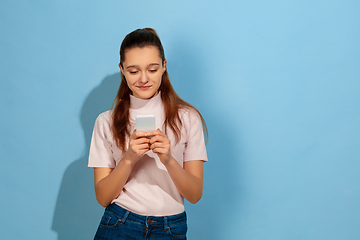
142 178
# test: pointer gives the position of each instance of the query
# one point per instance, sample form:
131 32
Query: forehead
142 56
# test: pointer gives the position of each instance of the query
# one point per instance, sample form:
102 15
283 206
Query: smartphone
145 123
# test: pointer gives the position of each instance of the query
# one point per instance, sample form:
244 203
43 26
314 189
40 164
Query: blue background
278 83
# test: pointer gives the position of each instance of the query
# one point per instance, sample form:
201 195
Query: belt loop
165 223
125 217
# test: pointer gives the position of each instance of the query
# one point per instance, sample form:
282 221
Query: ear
164 66
122 70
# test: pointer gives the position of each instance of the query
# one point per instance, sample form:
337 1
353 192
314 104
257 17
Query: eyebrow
137 66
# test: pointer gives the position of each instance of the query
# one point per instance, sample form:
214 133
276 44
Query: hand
138 145
160 144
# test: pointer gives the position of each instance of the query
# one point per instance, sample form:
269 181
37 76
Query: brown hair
172 102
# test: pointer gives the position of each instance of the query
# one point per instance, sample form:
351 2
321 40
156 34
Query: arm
188 180
109 182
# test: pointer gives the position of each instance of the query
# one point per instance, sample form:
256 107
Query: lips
143 87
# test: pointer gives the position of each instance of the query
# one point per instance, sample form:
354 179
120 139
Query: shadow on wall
77 213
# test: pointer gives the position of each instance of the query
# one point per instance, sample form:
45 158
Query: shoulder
188 113
190 117
104 117
103 121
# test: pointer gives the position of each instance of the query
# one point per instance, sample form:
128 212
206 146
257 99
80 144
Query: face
143 69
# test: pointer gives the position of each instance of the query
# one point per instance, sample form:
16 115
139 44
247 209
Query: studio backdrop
277 82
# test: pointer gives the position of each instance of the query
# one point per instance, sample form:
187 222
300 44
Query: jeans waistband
124 215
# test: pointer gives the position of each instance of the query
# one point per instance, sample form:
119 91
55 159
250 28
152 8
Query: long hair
172 102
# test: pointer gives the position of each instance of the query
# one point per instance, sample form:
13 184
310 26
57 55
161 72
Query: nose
143 78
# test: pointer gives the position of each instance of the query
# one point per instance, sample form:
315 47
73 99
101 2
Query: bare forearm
110 182
109 187
189 186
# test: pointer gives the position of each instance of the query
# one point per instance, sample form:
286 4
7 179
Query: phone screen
145 123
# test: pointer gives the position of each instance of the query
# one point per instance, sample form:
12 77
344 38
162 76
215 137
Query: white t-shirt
149 189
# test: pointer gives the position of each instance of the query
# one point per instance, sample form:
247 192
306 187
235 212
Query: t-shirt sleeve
195 145
100 154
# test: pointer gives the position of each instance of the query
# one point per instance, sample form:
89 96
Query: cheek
130 80
158 79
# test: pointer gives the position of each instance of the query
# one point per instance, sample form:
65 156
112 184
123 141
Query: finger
141 148
141 140
155 139
159 145
162 139
149 135
155 145
140 143
138 135
155 133
159 150
143 145
156 149
159 135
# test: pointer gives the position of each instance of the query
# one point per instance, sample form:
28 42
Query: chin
145 95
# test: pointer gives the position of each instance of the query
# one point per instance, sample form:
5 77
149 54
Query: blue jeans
118 223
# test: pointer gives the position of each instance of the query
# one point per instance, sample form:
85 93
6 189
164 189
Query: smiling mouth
144 87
